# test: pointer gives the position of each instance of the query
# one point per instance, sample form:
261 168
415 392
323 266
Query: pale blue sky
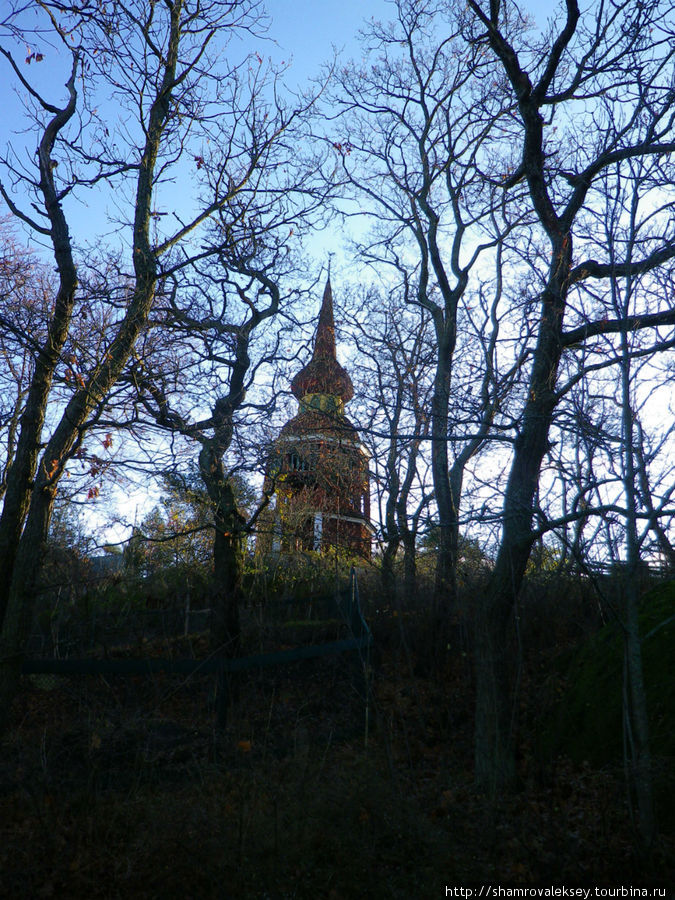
304 33
307 30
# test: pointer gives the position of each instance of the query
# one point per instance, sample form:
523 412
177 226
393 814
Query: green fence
346 605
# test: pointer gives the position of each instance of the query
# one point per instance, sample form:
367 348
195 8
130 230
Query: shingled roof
323 374
310 422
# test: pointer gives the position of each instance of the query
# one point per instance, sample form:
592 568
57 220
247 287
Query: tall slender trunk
447 502
636 724
495 664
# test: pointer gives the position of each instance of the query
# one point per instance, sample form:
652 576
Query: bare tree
627 232
23 296
206 371
209 378
164 69
392 374
635 702
411 144
616 61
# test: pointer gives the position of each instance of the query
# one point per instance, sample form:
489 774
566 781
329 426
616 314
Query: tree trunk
445 587
409 568
21 571
23 469
445 584
495 701
636 723
21 599
388 574
227 578
40 484
496 686
225 629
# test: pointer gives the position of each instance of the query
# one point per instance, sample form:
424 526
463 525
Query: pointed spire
324 374
324 342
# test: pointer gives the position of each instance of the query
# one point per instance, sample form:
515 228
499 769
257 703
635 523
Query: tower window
296 463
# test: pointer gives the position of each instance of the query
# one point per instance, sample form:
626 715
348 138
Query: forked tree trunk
24 563
22 472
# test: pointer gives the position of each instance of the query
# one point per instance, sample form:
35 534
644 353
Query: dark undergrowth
121 787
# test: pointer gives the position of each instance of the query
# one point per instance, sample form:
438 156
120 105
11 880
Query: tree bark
227 573
636 722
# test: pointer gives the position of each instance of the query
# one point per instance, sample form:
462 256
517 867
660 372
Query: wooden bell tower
319 467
